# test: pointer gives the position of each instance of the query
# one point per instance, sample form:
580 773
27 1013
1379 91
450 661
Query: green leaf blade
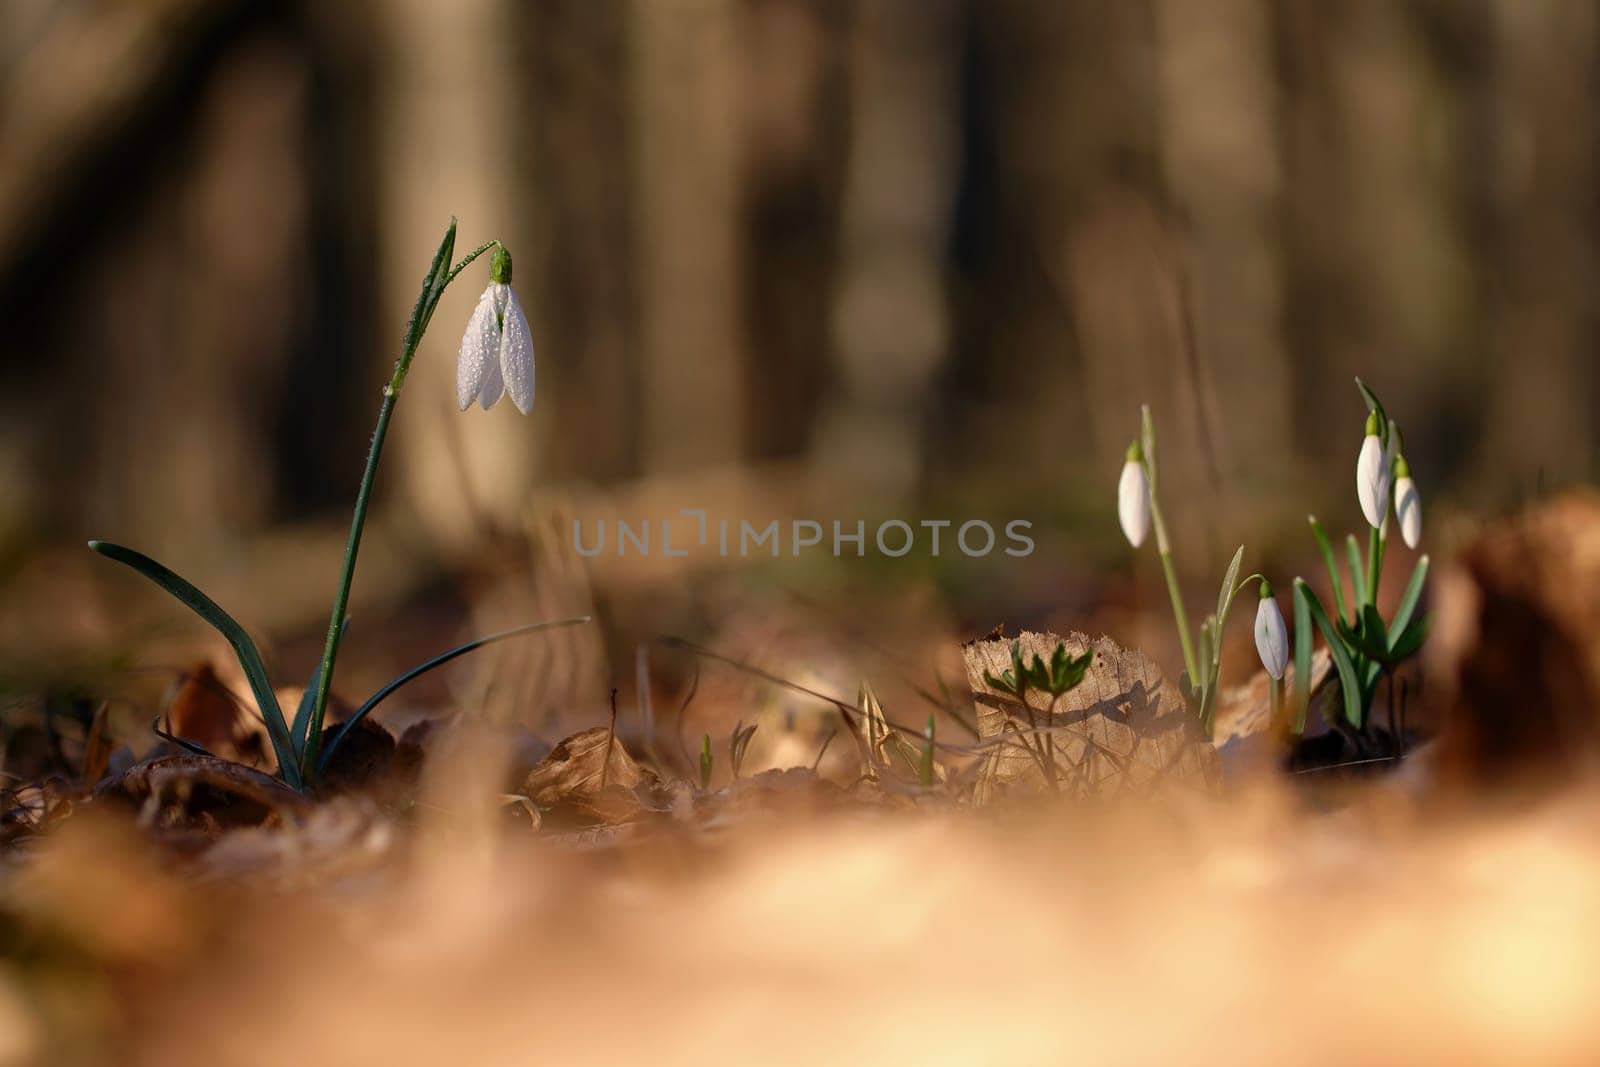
243 647
1411 597
427 665
1349 682
1229 580
1303 637
1335 581
1358 577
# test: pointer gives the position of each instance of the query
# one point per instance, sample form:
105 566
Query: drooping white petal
516 354
494 386
1133 502
1272 637
1408 509
480 348
1372 480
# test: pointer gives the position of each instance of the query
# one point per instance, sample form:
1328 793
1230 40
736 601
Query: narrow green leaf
186 745
302 712
1410 639
1374 635
1229 579
1003 683
1413 594
1358 578
1302 662
1205 658
423 668
1147 430
243 647
1349 683
433 284
1335 582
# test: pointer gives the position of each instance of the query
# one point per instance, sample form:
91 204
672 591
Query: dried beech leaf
203 795
203 711
1124 727
591 774
365 759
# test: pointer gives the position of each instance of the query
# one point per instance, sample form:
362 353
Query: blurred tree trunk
1220 159
1545 377
890 318
685 101
191 324
1379 143
794 86
1093 209
582 229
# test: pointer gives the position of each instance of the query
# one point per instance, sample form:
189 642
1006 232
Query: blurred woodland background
919 257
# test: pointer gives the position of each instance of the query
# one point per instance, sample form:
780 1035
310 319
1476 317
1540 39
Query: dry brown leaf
364 759
1123 728
885 751
202 795
97 746
203 711
1516 648
592 776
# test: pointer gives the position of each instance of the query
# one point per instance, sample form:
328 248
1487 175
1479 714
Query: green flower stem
440 275
1164 549
1275 689
1375 545
1189 662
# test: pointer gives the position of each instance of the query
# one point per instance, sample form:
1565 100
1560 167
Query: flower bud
1372 476
1133 497
1407 504
1272 636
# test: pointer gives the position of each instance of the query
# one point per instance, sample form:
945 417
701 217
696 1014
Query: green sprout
707 761
298 744
1060 676
925 768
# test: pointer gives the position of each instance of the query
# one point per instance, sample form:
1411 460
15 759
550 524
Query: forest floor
461 893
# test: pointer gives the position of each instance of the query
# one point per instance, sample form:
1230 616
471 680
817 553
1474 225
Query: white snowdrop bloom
1407 504
1272 637
497 349
1372 476
1133 497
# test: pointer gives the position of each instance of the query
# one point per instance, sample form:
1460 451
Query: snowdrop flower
497 349
1372 476
1272 637
1133 497
1407 504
